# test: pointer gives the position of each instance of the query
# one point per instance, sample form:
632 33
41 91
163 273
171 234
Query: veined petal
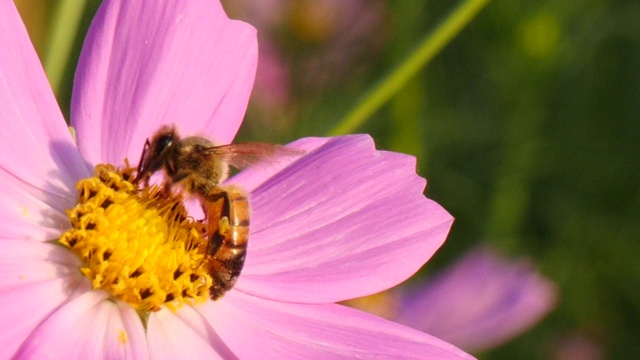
37 148
147 63
31 213
35 279
88 327
23 263
343 221
184 335
328 331
480 302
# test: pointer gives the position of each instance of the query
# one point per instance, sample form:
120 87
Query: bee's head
156 153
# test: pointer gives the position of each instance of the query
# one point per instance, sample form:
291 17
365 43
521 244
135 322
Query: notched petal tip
346 220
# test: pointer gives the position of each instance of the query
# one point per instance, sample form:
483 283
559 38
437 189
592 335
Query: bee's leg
165 190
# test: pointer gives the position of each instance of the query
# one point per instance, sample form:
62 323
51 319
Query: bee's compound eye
163 142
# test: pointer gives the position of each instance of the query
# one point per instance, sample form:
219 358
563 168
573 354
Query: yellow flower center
138 245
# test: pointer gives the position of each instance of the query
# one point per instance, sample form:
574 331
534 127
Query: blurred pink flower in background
307 47
272 87
321 226
578 346
335 38
481 301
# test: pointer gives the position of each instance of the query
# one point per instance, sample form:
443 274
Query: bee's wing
243 155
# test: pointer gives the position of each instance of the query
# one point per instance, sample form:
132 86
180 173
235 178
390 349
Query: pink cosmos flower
343 221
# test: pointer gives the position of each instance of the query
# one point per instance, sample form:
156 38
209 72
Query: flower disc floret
138 245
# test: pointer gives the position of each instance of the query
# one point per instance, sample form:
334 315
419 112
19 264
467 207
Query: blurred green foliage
526 126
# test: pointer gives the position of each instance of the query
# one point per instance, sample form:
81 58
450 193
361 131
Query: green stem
65 21
375 98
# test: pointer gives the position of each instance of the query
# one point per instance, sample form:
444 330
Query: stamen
139 245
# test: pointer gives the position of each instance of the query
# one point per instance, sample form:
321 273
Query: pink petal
256 328
160 62
35 279
185 335
88 327
38 155
24 263
342 222
250 179
480 302
29 212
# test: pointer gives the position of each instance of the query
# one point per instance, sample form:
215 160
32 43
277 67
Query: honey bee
197 167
